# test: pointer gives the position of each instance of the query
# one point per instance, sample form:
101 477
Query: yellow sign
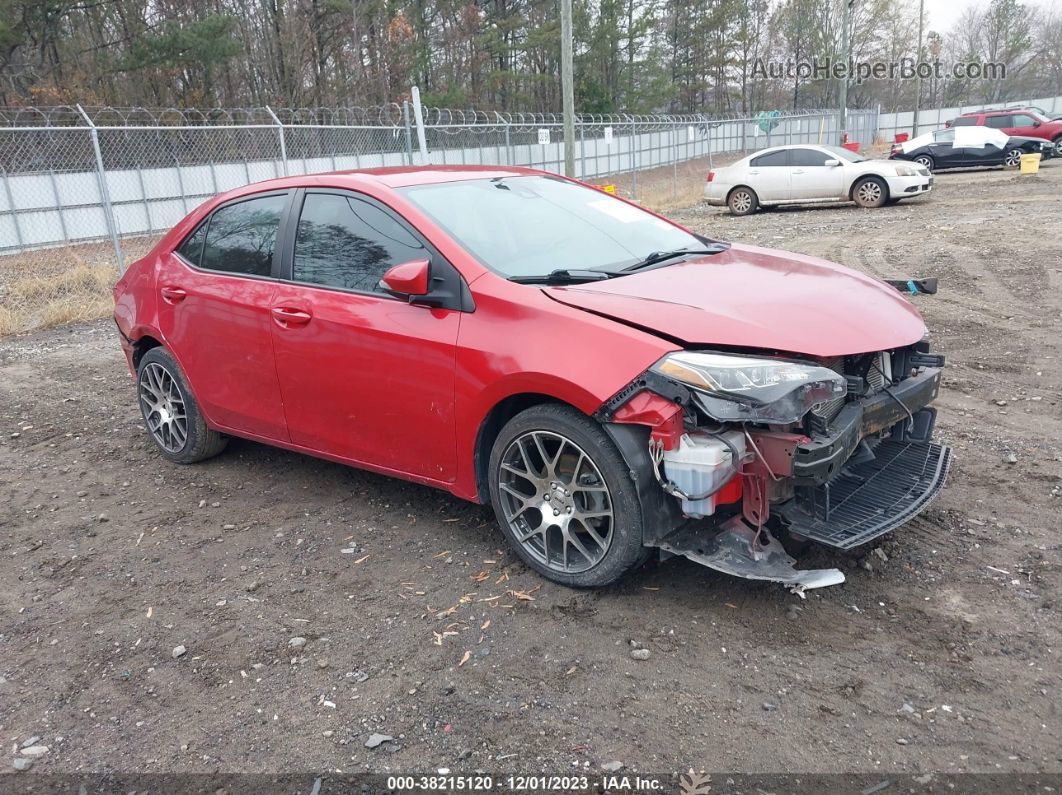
609 189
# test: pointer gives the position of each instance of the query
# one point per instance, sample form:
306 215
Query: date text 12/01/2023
518 783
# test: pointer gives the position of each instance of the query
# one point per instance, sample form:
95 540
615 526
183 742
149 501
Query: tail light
711 175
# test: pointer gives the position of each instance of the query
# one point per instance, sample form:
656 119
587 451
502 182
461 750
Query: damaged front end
730 452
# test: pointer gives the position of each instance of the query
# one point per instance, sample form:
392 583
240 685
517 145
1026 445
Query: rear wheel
1012 158
870 192
170 412
564 497
742 201
925 161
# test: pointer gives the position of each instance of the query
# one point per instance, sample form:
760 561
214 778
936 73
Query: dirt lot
944 657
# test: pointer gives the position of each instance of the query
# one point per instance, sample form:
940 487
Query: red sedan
611 382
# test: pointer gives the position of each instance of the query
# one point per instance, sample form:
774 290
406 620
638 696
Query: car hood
754 297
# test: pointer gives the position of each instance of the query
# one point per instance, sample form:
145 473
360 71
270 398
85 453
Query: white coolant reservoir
700 464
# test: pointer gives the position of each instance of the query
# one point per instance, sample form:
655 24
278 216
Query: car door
943 150
365 375
811 178
769 174
215 294
1025 124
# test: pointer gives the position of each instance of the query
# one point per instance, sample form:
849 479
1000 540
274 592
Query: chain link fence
85 192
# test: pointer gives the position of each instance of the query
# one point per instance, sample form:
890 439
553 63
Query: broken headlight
744 389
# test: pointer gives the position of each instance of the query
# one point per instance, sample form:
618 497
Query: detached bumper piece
739 551
871 497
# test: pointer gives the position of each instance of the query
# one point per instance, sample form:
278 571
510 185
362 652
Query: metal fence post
105 196
283 143
11 208
409 132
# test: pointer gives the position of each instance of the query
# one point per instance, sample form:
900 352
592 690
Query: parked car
1026 123
806 173
974 147
600 375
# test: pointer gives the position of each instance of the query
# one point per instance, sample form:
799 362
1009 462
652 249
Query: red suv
1021 122
612 383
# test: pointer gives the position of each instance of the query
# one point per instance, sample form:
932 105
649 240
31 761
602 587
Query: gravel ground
268 611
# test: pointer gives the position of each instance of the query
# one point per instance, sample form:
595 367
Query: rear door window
999 122
779 158
349 243
240 238
808 157
965 121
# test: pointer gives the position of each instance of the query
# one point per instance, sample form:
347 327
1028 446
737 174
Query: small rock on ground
639 654
378 739
179 651
612 767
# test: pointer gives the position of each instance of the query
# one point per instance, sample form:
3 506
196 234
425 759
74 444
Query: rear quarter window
192 247
965 121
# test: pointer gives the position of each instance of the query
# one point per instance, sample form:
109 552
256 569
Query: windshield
529 226
845 154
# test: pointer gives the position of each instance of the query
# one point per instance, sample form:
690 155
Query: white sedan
808 173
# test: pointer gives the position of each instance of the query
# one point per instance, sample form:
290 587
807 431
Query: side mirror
832 163
1036 124
408 280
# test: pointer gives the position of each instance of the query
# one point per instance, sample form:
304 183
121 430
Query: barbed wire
390 115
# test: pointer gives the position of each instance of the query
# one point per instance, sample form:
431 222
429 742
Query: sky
942 14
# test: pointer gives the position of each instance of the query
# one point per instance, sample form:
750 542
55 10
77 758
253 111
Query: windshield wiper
563 276
663 256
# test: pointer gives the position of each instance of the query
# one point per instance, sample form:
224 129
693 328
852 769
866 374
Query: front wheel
1012 158
564 497
870 192
170 412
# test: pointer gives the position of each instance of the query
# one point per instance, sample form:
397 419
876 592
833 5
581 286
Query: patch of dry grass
44 289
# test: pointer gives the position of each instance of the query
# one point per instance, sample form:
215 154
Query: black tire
1058 147
742 201
199 442
623 550
926 162
870 192
1012 159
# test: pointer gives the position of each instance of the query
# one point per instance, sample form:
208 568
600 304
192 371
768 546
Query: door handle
289 317
173 295
753 171
799 171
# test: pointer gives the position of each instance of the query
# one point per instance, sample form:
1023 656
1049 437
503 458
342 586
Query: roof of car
390 177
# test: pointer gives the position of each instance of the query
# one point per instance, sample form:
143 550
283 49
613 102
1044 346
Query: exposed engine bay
732 452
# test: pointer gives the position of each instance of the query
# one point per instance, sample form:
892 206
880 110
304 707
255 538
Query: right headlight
745 389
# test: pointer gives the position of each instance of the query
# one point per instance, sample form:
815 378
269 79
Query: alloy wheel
1013 157
869 193
555 501
1058 148
163 407
741 201
925 162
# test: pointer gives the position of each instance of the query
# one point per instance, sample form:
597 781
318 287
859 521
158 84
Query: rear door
811 178
365 376
216 291
769 176
945 153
